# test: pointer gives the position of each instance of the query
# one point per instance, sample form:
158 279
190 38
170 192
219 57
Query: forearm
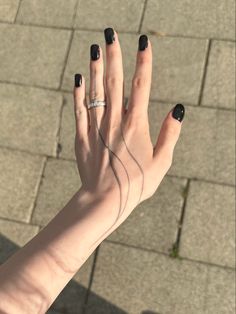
32 278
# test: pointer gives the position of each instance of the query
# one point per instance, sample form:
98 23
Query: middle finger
114 77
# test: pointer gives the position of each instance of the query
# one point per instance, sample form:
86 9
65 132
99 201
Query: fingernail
143 42
109 35
94 52
78 80
178 112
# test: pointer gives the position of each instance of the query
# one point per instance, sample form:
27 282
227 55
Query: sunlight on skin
119 168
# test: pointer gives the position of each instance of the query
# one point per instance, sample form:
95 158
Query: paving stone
47 12
128 280
114 13
205 149
225 148
32 55
72 297
14 235
203 18
60 181
208 232
29 118
177 64
154 223
80 50
8 10
220 294
67 130
219 90
20 175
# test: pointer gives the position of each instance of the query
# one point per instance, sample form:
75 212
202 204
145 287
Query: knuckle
80 139
113 81
79 112
96 94
139 81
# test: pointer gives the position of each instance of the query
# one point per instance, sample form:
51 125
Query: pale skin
119 168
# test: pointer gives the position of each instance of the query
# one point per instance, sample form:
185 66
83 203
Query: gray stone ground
175 254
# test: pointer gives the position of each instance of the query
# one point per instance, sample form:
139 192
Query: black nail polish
78 80
143 42
94 52
109 35
178 112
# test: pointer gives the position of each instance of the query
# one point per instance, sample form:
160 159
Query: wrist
99 195
105 211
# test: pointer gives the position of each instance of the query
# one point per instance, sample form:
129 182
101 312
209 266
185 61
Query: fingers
96 85
80 108
141 83
169 134
114 77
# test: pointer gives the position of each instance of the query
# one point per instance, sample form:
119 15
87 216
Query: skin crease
119 168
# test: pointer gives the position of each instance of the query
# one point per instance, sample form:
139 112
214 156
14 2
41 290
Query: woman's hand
113 145
119 168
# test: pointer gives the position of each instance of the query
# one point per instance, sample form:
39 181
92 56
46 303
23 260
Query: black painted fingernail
109 35
94 52
78 80
178 112
143 42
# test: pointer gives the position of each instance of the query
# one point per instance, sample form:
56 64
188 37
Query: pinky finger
80 109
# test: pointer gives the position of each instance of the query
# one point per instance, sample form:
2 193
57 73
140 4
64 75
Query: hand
113 146
119 168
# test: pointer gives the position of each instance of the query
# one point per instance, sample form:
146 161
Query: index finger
141 82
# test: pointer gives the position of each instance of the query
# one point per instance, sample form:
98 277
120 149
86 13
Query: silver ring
96 103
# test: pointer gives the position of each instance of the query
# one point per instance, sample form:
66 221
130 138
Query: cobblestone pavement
175 254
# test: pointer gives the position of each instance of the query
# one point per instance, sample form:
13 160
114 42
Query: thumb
168 137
